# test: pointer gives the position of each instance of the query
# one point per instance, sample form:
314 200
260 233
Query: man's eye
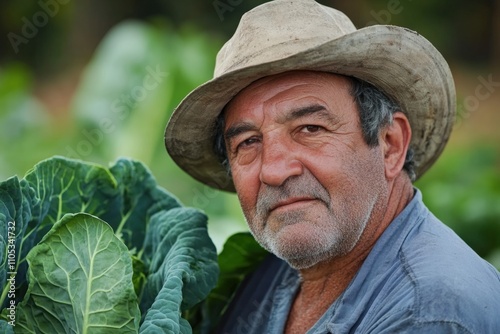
311 128
248 142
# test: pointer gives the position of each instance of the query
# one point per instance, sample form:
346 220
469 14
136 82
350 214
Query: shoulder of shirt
451 283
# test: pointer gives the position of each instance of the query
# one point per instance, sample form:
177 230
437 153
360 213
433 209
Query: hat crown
279 29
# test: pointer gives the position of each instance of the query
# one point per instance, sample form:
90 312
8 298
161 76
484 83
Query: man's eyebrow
317 109
236 129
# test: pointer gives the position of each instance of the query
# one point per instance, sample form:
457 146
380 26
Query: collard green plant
86 249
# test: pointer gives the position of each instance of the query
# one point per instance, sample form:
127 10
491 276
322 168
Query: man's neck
324 282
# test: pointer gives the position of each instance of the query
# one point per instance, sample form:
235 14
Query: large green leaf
80 281
181 269
70 186
127 197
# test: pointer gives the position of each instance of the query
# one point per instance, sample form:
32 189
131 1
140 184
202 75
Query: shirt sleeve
405 322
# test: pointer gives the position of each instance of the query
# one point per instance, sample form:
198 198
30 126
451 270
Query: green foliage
97 246
241 256
136 77
82 274
23 121
463 190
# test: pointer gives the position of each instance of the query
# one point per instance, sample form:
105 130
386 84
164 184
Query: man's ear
395 139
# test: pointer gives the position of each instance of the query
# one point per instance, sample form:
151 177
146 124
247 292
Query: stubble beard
329 234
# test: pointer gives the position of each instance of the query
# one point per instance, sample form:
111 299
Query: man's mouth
293 202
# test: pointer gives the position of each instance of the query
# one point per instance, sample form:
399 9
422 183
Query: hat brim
398 61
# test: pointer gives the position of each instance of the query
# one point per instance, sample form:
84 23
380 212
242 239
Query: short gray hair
375 112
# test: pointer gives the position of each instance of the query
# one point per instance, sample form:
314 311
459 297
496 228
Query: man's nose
278 163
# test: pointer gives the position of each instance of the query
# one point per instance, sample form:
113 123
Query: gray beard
337 239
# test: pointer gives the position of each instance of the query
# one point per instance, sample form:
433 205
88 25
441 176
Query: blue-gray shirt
420 277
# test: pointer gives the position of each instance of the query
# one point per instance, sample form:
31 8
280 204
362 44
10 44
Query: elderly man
320 129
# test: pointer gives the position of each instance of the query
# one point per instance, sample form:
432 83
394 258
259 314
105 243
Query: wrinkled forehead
280 87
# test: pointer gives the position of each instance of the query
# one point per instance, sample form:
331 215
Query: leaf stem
122 223
91 254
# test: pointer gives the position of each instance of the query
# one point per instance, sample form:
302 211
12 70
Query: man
320 129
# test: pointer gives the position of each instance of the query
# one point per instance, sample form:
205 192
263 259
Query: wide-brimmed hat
287 35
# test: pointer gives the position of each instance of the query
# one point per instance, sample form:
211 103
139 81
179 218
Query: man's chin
301 263
300 254
302 243
305 250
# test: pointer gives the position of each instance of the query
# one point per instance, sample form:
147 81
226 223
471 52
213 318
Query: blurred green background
97 80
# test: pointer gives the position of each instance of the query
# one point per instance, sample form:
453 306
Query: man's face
307 181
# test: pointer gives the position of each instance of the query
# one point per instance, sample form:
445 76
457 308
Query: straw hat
285 35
